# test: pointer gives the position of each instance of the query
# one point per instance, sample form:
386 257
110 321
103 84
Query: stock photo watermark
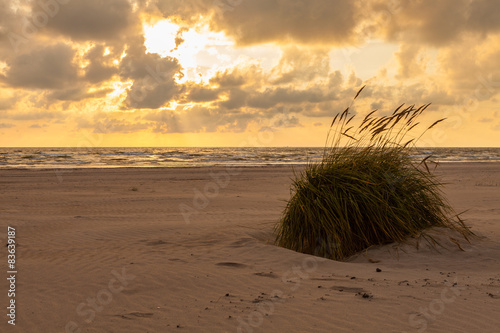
294 276
486 88
87 310
150 82
226 5
428 314
266 308
385 15
12 275
90 140
221 179
39 19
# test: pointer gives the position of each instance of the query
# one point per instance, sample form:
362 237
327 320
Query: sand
190 250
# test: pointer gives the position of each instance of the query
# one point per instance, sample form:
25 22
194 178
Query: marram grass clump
366 190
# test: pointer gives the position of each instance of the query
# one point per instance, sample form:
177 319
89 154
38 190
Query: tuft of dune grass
366 190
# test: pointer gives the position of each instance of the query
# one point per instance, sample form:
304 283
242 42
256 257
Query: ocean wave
193 157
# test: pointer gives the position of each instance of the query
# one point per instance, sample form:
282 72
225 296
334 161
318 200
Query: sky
180 73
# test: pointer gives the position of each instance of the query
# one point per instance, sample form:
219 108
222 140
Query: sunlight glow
120 88
200 51
172 105
160 38
3 67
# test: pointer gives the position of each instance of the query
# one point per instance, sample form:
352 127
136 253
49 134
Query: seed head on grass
366 190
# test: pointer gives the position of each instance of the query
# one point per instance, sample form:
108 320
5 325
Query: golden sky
93 73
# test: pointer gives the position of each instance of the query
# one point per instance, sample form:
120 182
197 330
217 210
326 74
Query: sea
44 158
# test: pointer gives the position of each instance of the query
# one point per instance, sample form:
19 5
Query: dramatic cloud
77 94
239 76
200 119
262 21
85 20
410 64
473 65
7 20
299 65
154 77
101 67
47 67
200 94
7 103
154 68
436 23
309 22
483 16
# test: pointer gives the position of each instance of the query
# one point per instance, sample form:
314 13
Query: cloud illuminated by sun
200 52
3 67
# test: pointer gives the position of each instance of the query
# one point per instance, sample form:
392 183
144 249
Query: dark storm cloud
228 78
200 94
100 67
249 87
189 10
434 22
91 19
153 77
302 82
44 67
8 20
53 68
146 94
237 77
334 22
261 21
247 90
484 15
430 22
237 99
317 21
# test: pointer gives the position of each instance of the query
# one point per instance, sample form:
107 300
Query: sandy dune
186 250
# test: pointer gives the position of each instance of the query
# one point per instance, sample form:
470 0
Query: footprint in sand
135 314
231 264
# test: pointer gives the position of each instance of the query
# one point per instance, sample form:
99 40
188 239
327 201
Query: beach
191 250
